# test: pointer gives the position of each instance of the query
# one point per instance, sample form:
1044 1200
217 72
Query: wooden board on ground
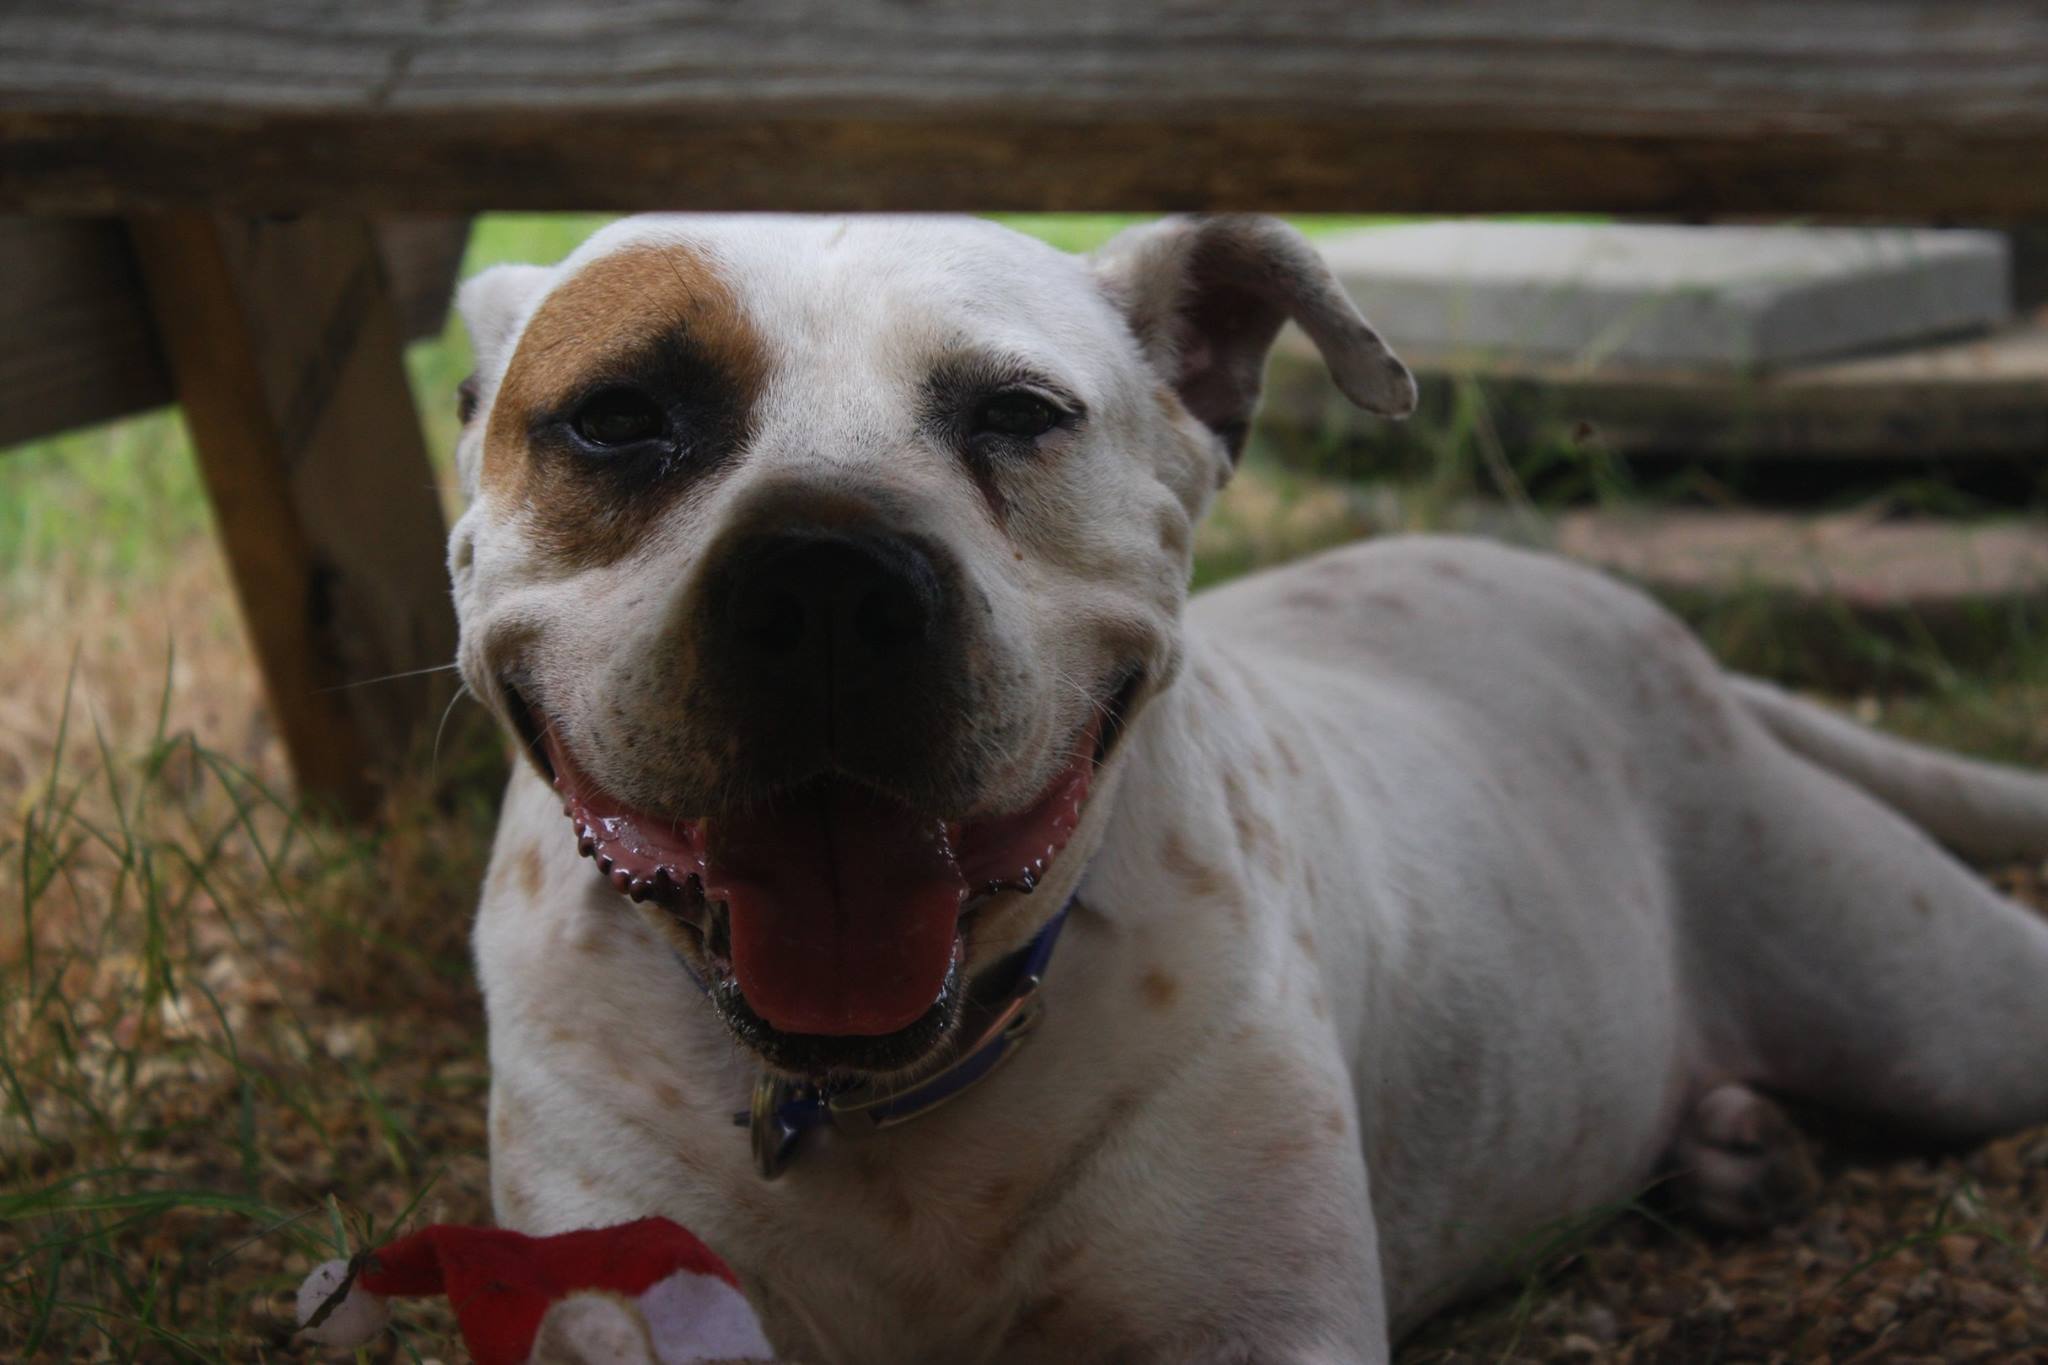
1832 599
1909 108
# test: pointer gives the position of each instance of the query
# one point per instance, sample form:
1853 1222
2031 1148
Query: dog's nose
843 601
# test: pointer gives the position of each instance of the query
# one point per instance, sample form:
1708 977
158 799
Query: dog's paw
1740 1162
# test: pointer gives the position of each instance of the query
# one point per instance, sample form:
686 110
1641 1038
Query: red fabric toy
646 1291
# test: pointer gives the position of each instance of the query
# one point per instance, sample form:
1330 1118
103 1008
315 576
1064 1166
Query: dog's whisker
441 729
393 677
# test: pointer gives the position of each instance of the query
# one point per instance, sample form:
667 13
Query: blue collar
784 1110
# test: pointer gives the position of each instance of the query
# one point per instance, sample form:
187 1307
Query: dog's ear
1205 297
493 304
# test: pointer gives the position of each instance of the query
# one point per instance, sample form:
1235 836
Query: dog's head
821 564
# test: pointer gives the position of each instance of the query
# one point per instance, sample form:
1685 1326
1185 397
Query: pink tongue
844 908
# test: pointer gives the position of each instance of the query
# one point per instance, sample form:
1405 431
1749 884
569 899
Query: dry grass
232 1042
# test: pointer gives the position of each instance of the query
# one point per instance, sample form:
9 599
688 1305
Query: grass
234 1042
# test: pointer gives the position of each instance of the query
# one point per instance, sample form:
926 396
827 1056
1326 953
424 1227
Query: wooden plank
76 341
422 255
284 343
76 344
1898 107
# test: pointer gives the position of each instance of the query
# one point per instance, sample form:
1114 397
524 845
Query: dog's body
1433 892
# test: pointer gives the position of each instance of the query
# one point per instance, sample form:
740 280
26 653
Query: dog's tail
1982 811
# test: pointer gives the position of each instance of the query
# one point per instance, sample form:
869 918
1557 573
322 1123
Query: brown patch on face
1305 938
1158 989
654 318
667 1096
531 874
1202 879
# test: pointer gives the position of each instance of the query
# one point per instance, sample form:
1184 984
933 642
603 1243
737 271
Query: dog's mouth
834 910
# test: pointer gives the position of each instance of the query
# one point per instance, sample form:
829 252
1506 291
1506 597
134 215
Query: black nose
848 602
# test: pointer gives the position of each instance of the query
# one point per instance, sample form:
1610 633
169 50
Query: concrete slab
1986 396
1724 298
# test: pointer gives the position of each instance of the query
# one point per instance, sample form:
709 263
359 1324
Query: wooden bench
156 140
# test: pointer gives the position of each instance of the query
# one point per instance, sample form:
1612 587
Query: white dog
834 574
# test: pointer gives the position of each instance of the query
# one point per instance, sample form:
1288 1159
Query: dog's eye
1015 413
618 417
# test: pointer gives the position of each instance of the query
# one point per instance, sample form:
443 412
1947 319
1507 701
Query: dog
832 575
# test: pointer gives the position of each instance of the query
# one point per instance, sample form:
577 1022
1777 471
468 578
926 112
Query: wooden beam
283 342
76 341
1906 108
76 344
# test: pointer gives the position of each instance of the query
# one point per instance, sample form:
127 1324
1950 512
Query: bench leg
285 349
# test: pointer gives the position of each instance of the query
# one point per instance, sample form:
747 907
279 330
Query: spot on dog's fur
1253 831
531 873
513 1199
1922 904
1158 989
1389 602
1305 938
634 310
1032 1319
1173 530
1202 879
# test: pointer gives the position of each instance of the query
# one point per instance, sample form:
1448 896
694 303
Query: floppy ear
493 305
1205 297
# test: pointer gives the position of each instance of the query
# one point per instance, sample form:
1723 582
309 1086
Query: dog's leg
1740 1163
1980 810
1844 957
